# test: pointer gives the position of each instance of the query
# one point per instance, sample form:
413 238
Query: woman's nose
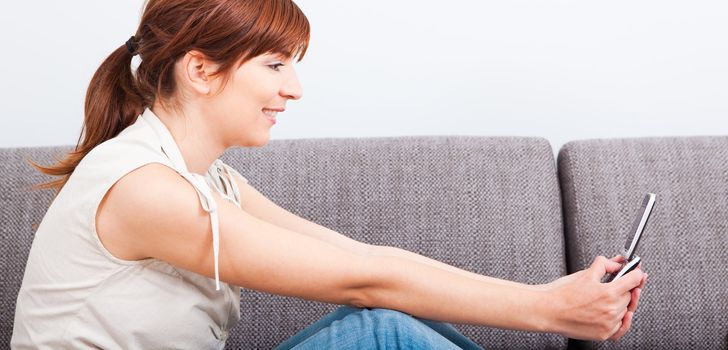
292 88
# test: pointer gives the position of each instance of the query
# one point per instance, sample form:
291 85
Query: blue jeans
362 328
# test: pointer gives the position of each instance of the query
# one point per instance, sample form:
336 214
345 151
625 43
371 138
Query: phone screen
638 226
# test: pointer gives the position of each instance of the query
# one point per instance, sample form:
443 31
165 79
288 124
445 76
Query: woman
151 236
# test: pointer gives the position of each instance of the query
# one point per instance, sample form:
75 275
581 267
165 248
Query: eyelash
275 66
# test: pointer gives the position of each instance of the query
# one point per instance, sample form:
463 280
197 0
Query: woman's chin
264 139
257 142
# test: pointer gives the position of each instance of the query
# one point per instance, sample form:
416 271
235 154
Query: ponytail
112 103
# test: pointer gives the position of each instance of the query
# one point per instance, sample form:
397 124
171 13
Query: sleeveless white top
76 294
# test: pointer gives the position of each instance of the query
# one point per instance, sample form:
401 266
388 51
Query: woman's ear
196 72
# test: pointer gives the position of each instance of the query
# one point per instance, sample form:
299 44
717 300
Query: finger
602 266
644 280
617 258
629 281
623 326
618 327
635 299
625 300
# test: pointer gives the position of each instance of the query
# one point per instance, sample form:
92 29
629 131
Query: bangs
281 28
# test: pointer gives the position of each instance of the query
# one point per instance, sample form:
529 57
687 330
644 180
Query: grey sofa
500 206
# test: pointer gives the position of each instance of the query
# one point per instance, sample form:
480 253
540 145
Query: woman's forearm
395 251
430 292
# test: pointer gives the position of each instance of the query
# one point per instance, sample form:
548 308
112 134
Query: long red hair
225 31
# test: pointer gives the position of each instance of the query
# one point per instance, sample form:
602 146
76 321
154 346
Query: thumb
629 281
602 266
618 258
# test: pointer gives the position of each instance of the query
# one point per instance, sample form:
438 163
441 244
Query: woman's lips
270 115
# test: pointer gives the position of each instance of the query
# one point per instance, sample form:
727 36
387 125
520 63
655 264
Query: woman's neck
193 137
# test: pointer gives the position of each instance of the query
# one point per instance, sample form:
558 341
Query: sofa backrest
685 244
490 205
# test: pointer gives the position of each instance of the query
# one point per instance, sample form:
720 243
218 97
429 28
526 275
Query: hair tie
132 45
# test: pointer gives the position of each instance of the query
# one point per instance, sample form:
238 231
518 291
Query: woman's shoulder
153 212
109 161
135 203
136 145
135 140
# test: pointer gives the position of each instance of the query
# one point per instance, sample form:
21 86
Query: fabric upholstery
685 302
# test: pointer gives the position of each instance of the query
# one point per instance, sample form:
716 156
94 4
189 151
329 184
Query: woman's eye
275 66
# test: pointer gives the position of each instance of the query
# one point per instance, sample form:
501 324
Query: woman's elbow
370 278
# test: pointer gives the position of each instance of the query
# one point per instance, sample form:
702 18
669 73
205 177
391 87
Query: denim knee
391 318
426 333
403 331
389 315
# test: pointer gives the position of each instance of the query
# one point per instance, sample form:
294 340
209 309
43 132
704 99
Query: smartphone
633 238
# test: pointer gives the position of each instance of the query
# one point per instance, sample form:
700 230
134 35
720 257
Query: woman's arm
578 305
156 213
551 295
260 206
406 254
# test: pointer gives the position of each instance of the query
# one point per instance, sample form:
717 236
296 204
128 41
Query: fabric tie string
210 206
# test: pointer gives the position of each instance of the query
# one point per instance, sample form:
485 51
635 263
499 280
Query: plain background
563 70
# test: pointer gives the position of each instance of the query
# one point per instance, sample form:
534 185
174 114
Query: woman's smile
270 114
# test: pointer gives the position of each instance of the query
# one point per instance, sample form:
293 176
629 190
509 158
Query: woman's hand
585 308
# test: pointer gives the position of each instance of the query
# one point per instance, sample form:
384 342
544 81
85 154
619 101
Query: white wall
563 70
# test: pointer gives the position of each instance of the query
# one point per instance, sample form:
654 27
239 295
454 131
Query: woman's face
247 107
